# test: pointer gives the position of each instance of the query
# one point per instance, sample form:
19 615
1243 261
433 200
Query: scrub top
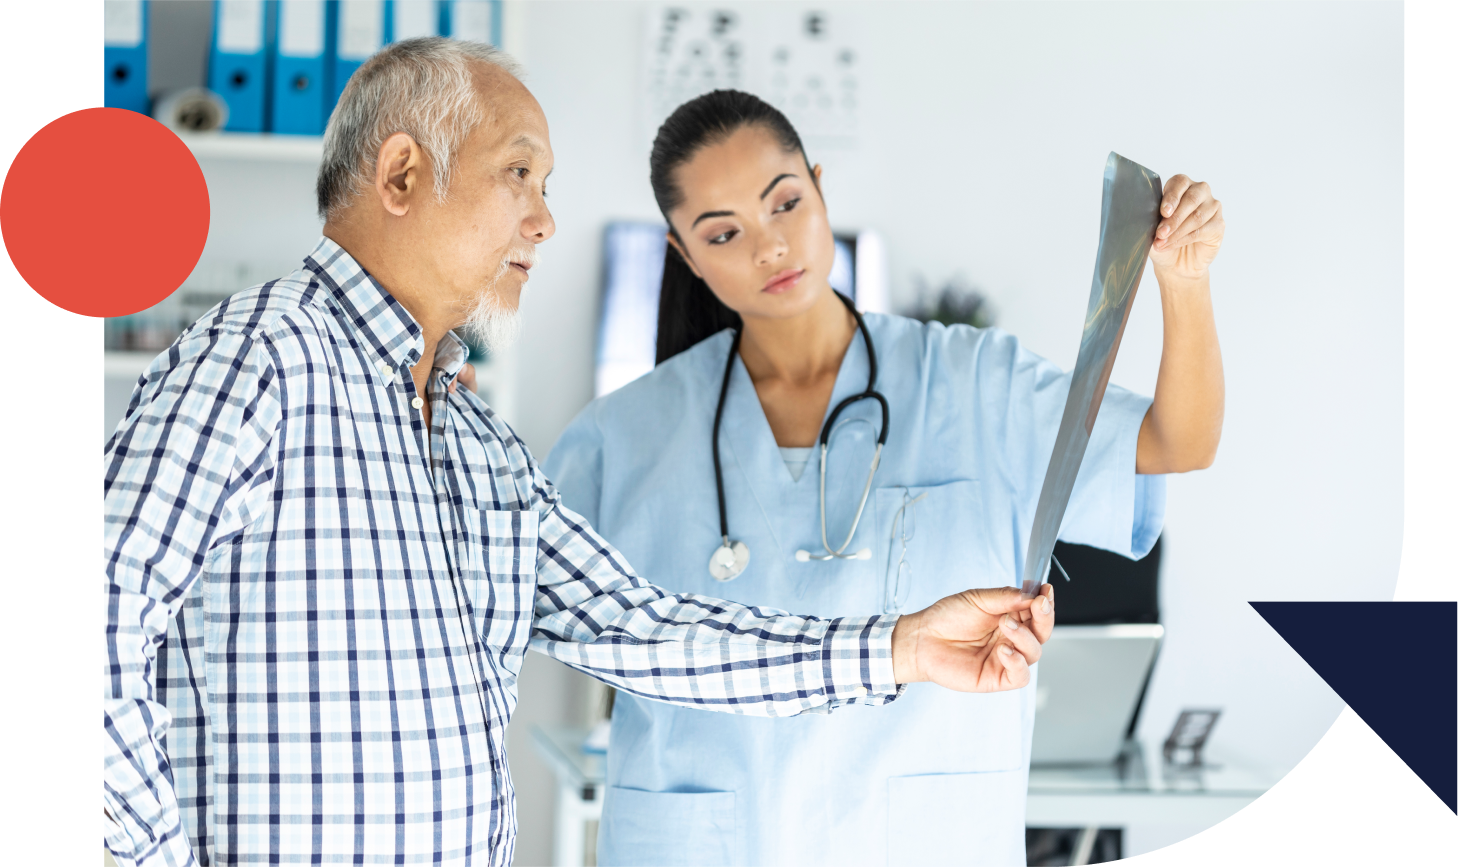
934 776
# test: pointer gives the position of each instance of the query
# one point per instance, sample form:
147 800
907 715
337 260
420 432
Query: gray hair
422 87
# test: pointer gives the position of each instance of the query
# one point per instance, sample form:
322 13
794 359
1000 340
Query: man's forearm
1181 431
714 655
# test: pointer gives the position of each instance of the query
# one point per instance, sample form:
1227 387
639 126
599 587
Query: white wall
991 125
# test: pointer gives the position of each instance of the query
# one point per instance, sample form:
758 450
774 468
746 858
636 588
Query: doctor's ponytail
688 311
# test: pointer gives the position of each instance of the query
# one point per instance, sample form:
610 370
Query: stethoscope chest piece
729 561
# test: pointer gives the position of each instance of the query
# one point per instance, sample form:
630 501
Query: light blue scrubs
935 776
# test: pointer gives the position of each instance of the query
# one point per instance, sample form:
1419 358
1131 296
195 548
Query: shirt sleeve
195 441
1112 506
596 615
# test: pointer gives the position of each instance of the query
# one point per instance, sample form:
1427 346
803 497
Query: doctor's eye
521 172
723 238
787 206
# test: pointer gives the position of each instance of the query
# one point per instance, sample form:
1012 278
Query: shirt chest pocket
933 542
501 579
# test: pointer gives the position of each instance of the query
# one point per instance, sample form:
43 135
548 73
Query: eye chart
804 61
689 52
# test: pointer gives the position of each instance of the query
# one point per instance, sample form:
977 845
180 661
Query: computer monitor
633 275
1090 682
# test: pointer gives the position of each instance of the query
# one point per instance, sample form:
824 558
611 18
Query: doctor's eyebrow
711 214
772 185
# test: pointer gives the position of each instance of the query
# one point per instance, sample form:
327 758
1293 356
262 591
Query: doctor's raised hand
1182 428
1191 227
976 641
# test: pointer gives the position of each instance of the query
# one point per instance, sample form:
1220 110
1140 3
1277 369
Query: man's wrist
904 641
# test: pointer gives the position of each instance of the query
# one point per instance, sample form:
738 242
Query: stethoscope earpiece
732 557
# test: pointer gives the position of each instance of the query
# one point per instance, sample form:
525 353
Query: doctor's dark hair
688 310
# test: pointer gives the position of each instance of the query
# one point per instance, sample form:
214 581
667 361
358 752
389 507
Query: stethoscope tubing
718 418
870 393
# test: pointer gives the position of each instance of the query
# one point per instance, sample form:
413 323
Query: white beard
490 324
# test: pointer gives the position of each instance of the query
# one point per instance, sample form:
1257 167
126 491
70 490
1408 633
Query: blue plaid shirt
317 608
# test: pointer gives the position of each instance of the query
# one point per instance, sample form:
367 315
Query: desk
1131 791
1135 791
580 779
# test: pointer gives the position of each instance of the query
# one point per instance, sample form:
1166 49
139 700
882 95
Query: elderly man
324 563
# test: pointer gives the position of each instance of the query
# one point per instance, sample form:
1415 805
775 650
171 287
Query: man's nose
539 226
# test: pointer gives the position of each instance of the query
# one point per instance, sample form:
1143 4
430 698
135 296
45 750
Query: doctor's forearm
1181 431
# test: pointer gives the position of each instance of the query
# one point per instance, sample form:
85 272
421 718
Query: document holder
238 64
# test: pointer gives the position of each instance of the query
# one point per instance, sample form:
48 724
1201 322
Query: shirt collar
388 329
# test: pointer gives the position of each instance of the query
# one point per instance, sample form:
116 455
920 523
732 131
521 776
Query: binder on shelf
473 20
412 18
238 65
126 55
301 67
360 30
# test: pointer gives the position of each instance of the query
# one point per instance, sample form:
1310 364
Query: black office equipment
1104 587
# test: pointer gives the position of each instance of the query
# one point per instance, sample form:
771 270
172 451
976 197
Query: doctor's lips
784 280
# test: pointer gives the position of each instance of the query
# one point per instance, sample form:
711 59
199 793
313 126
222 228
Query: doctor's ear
400 173
683 254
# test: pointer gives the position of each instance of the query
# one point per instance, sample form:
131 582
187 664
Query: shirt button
858 692
417 403
385 368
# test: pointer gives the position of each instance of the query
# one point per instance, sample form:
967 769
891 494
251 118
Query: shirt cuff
856 654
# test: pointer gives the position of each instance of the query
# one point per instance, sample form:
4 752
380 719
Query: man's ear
673 242
400 173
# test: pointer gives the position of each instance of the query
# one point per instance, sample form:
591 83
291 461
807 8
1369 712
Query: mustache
528 256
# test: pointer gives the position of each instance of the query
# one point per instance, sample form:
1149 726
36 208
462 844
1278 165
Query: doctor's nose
772 248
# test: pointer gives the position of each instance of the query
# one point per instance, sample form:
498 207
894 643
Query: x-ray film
1126 232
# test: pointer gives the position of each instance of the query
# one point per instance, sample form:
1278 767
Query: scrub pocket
974 819
933 540
666 828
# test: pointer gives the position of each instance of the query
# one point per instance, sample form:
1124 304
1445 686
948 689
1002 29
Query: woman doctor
936 776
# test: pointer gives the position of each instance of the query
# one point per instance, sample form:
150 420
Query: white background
992 123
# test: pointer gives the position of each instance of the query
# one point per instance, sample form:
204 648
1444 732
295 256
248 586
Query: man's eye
521 172
787 206
723 238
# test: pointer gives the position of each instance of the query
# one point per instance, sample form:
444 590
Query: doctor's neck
802 349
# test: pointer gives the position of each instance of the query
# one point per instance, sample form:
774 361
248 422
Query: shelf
257 147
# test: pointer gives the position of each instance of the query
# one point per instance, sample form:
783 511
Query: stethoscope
731 558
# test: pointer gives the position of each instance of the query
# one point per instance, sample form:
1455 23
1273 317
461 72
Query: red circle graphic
104 212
